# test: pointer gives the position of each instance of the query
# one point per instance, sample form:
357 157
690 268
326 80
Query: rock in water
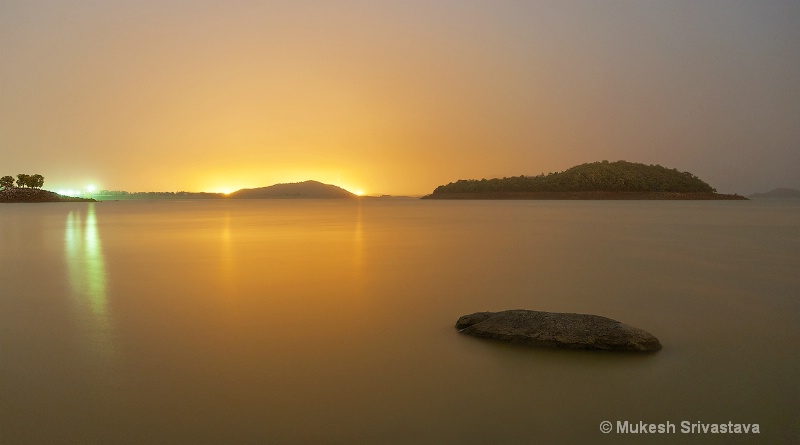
558 330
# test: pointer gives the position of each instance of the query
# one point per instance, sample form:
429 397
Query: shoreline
594 196
29 195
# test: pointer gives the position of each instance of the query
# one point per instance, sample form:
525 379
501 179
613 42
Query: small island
598 180
28 188
296 190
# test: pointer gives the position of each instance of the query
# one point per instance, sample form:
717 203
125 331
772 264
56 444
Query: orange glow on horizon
251 180
393 98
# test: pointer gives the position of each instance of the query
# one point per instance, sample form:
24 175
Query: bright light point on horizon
90 188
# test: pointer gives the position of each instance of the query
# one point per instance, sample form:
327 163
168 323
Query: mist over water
282 321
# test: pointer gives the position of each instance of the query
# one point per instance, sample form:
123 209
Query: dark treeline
23 180
620 176
106 195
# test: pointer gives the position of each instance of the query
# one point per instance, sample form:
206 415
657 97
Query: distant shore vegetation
305 189
121 195
604 176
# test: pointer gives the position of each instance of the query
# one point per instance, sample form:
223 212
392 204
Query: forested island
597 180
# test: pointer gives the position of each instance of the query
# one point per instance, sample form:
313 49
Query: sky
395 97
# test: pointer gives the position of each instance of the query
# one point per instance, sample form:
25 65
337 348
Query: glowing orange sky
395 97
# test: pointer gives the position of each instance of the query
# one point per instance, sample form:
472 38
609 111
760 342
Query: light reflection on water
311 322
86 269
85 261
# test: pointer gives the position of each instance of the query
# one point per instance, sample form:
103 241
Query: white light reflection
87 277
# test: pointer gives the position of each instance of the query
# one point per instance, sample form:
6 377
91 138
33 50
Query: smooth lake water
332 322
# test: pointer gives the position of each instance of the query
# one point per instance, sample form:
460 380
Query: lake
313 321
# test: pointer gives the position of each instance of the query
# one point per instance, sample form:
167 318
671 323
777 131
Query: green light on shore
90 189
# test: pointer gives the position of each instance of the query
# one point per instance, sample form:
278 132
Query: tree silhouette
36 181
23 180
7 182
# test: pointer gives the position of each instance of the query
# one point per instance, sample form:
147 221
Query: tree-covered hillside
620 176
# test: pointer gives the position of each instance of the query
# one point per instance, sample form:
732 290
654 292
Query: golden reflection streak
228 269
358 244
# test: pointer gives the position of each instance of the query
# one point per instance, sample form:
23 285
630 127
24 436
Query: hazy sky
395 97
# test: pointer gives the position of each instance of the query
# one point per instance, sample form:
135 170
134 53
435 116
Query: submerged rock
557 330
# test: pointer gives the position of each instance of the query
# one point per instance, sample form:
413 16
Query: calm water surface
292 322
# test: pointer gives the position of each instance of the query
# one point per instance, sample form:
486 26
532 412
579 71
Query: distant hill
307 189
597 180
778 193
18 194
